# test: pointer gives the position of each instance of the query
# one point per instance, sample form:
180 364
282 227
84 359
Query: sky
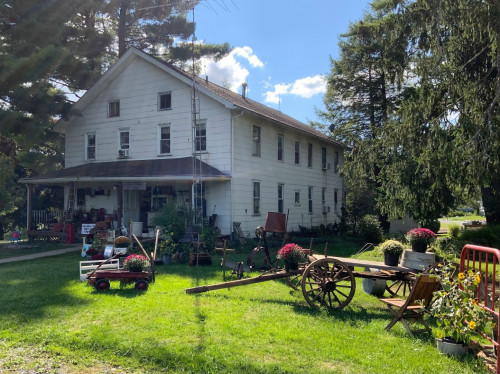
281 48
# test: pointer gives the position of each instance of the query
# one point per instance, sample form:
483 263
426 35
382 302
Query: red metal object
478 258
69 229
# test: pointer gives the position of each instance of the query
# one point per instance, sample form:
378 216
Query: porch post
29 206
119 203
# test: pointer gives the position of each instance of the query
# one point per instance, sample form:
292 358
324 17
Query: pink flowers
420 235
291 253
135 262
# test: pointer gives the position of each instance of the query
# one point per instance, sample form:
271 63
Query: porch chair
412 309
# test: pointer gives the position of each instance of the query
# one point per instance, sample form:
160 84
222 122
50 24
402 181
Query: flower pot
450 347
291 266
419 247
391 259
166 259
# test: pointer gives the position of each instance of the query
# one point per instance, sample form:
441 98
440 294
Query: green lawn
49 321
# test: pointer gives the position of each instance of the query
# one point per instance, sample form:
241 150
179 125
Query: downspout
232 171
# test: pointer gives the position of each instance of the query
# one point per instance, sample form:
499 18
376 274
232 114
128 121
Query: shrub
488 236
209 236
392 246
454 231
172 218
369 229
434 225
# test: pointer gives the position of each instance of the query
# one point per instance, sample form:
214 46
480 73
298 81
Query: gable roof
132 170
226 97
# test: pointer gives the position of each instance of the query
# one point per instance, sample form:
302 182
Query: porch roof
164 169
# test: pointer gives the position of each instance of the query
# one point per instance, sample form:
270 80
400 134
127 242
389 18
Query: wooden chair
412 309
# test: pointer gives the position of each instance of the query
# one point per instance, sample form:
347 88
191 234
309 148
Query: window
165 101
281 141
124 143
310 198
256 141
200 137
309 155
335 198
323 156
297 198
281 197
336 163
297 152
256 198
323 200
90 146
114 108
164 136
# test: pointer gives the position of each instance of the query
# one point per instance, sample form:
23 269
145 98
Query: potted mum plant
135 263
392 250
420 239
291 254
458 317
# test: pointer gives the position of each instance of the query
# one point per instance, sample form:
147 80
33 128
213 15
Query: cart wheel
328 282
399 287
294 280
257 259
101 285
141 285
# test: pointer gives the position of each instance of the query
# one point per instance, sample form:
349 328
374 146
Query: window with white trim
90 146
164 139
335 198
323 156
309 155
200 137
281 143
256 141
310 199
124 143
297 198
323 199
165 100
256 198
281 197
114 108
297 152
336 163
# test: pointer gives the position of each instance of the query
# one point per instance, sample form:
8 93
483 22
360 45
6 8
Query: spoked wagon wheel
328 282
257 259
399 287
295 280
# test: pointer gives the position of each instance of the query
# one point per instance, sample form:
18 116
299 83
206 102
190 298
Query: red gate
487 261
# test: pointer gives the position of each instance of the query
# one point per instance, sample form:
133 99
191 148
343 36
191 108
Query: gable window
200 136
309 155
310 199
281 141
164 136
281 198
165 101
114 108
90 147
297 152
256 198
297 198
124 143
256 141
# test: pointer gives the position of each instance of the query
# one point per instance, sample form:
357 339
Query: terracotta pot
419 247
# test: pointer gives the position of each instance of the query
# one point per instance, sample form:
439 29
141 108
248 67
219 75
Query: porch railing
42 218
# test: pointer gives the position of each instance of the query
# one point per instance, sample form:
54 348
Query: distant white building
148 133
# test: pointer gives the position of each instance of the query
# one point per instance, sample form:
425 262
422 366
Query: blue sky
282 48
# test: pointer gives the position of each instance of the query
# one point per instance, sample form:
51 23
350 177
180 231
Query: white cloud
304 87
274 96
229 71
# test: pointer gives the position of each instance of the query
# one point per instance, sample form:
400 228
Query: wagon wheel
328 282
257 259
101 285
399 287
141 285
294 280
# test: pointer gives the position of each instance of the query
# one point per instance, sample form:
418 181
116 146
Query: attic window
114 108
165 101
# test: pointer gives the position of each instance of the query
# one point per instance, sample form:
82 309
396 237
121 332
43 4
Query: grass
447 222
8 250
62 324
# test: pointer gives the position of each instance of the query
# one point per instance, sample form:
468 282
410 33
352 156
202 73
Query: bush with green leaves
209 236
369 229
433 224
454 231
392 246
172 218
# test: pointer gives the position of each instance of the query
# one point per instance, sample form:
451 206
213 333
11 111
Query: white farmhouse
148 133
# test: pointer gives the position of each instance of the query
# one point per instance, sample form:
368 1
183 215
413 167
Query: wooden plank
239 282
364 263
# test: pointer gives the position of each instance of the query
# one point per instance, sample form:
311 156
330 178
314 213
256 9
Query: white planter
373 286
450 348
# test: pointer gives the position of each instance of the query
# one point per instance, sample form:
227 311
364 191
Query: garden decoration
456 309
392 250
121 242
138 269
291 254
167 248
420 239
